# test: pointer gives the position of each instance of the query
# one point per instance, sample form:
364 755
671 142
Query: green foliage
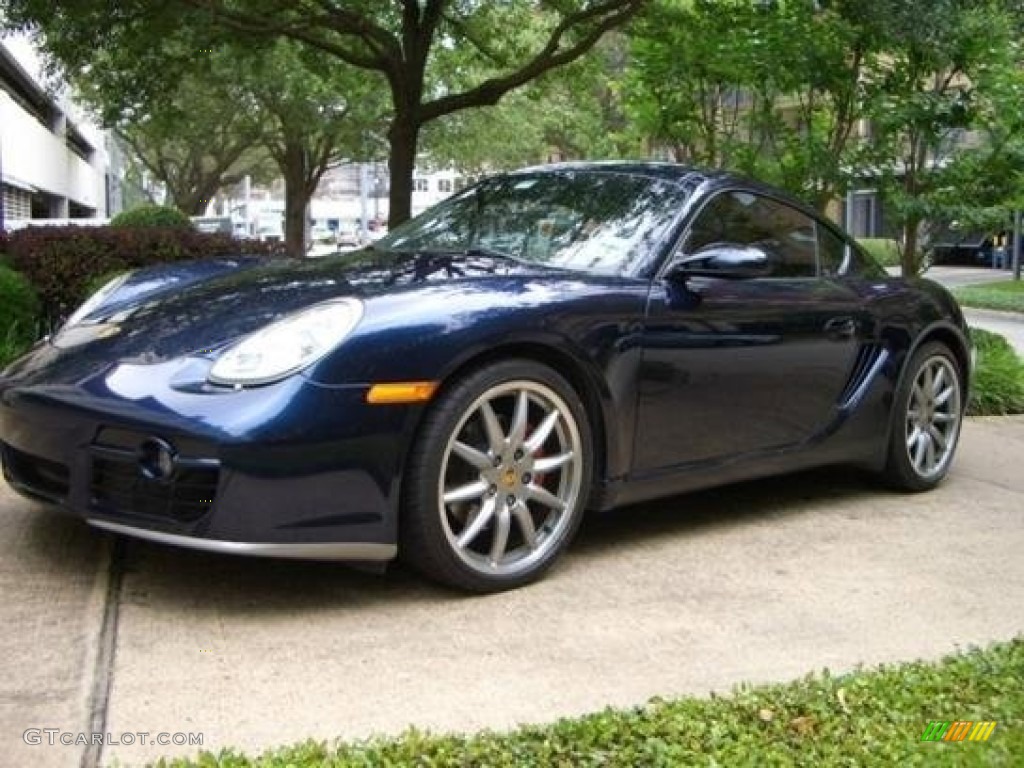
874 717
151 216
19 314
574 113
63 263
885 251
998 386
721 83
431 60
1006 295
12 345
947 70
310 114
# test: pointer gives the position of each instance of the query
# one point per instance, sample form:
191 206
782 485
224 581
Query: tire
927 415
497 479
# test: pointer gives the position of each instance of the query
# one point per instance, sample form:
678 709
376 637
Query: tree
573 113
926 97
219 106
771 90
195 146
690 81
813 93
309 117
189 135
422 48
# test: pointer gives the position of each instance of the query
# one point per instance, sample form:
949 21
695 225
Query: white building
350 197
54 161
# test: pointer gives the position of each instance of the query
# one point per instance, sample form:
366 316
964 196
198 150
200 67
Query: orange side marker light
398 392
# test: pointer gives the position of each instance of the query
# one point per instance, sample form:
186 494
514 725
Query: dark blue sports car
546 341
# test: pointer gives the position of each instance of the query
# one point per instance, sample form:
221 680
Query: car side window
836 254
787 236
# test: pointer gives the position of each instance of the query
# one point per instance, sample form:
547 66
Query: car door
734 366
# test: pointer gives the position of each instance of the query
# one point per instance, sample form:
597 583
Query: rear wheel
926 423
498 478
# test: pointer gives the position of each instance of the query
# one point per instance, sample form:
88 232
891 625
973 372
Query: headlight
97 299
287 346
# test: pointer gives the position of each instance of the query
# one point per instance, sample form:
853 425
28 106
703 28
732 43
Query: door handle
839 328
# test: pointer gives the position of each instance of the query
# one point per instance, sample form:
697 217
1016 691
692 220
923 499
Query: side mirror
724 260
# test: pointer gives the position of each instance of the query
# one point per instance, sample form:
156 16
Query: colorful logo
958 730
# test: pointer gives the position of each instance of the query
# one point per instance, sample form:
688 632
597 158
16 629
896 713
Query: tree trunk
908 254
403 137
296 199
187 200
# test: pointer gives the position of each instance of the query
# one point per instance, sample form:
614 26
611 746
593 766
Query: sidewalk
759 582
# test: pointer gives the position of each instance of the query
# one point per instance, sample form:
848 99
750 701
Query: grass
998 386
865 718
1006 295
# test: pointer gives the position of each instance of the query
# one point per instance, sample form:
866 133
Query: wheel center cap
509 478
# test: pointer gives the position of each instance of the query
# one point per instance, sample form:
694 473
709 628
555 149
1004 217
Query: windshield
601 223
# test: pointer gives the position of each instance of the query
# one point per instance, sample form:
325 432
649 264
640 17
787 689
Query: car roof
674 172
660 170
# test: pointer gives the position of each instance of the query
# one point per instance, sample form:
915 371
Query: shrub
19 314
151 216
998 385
885 251
62 263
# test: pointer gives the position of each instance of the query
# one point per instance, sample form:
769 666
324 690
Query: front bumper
293 469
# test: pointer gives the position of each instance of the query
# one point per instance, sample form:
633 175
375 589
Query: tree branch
604 16
261 25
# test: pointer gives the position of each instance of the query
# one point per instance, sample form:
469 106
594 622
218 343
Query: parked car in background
269 233
459 392
322 236
348 236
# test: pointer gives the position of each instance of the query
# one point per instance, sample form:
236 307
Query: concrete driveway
759 582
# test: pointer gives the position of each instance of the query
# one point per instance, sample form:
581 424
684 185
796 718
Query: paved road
953 277
758 582
1008 324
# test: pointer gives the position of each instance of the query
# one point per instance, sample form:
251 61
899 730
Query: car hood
186 316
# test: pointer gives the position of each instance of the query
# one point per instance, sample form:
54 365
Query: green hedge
151 216
62 263
884 251
998 386
19 314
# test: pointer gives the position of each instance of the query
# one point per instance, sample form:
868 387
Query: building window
17 203
444 185
419 185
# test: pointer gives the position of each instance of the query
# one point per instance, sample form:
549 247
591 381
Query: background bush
998 385
62 263
883 250
151 216
19 314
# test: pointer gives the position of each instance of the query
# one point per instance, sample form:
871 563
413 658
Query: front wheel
497 479
926 422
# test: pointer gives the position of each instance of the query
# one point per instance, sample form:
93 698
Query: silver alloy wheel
510 478
933 416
